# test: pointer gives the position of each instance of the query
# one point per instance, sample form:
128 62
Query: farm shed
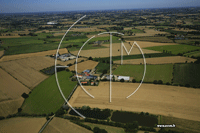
87 70
91 77
126 78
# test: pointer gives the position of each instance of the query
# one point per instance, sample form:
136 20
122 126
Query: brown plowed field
21 125
158 60
89 64
180 102
10 94
59 125
20 56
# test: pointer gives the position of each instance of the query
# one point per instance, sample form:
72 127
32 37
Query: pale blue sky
11 6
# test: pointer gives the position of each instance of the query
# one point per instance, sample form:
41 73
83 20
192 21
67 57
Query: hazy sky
10 6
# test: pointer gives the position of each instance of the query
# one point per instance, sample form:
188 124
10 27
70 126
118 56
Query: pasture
187 74
153 72
174 49
155 99
10 94
46 98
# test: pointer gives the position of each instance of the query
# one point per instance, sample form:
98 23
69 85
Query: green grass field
102 66
45 41
175 49
109 129
138 56
46 98
187 74
153 72
195 54
150 39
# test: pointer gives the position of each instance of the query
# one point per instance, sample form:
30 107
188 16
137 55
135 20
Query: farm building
66 57
87 70
84 83
52 22
108 77
91 77
126 78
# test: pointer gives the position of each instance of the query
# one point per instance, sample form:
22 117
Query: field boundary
15 78
44 126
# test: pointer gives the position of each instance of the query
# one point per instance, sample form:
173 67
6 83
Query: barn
126 78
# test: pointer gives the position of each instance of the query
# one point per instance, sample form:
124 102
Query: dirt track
158 60
21 125
59 125
10 94
165 100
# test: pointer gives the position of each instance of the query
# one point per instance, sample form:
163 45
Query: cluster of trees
93 113
19 114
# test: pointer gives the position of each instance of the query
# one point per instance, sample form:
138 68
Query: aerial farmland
115 71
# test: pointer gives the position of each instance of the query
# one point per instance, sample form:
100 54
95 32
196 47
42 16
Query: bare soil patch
21 125
180 102
59 125
158 60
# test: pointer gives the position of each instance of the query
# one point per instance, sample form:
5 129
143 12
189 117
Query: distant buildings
52 22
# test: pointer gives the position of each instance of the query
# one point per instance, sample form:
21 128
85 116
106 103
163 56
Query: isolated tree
121 80
90 58
24 95
160 82
133 81
155 81
104 71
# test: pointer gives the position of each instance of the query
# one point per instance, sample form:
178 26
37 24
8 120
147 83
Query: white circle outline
56 69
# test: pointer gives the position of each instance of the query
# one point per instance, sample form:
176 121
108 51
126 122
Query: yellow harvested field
60 125
21 125
9 107
1 53
116 51
144 44
19 56
10 94
89 64
14 36
103 35
23 73
180 102
158 60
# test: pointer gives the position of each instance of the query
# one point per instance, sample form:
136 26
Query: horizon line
99 10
